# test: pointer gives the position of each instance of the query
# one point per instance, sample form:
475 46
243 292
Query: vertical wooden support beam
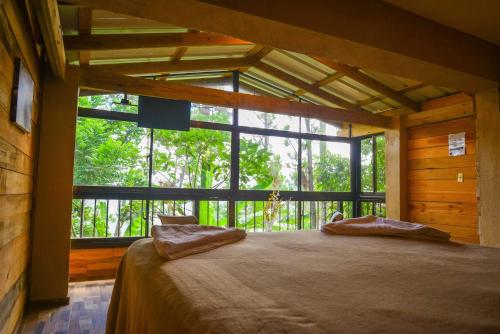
396 192
54 188
488 158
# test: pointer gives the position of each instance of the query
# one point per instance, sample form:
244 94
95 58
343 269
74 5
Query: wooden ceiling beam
179 53
374 99
153 40
84 28
162 67
385 38
369 82
329 79
49 21
91 78
306 87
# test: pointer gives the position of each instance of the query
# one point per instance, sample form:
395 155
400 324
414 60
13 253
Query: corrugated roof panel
132 53
391 103
262 87
378 106
102 19
320 101
426 93
293 67
392 81
311 62
264 76
127 60
358 86
342 90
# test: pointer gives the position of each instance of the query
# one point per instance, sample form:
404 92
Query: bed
309 282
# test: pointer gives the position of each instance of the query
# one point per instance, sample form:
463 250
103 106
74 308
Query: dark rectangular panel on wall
436 197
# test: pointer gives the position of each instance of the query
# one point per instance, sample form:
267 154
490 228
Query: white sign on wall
456 144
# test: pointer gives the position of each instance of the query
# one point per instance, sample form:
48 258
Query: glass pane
213 213
268 162
380 155
110 153
263 120
197 158
367 165
314 126
112 102
325 166
200 112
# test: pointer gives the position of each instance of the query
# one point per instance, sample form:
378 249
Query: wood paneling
92 264
17 161
435 197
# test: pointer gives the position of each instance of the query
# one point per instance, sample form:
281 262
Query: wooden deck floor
85 314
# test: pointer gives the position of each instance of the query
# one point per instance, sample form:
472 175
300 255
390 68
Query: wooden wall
92 264
17 163
435 197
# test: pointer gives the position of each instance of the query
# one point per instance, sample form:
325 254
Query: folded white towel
174 241
371 225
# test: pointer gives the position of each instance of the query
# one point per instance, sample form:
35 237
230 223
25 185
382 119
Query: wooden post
54 188
396 197
488 159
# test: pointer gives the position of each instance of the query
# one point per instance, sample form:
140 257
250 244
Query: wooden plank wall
435 196
93 264
17 163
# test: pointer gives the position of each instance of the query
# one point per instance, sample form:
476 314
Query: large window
222 170
110 153
268 163
199 158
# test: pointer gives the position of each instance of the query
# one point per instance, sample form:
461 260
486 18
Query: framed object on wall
22 97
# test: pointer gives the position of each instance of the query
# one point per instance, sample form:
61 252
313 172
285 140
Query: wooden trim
369 82
114 82
136 41
175 66
50 25
305 86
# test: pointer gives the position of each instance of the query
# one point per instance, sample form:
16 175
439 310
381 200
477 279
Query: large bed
310 282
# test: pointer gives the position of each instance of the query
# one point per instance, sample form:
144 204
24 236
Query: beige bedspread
310 282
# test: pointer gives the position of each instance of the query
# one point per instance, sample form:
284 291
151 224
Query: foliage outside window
373 164
198 158
116 153
268 163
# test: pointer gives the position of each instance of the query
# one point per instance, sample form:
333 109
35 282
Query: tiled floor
86 312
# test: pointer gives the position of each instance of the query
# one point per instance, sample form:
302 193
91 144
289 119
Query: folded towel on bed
371 225
174 241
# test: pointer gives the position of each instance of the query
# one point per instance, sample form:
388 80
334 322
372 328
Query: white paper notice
456 144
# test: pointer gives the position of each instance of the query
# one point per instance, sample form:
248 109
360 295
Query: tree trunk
310 181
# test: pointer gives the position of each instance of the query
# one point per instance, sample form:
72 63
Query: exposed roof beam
175 66
84 28
137 41
374 99
385 38
369 82
90 78
329 79
47 14
179 53
305 86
